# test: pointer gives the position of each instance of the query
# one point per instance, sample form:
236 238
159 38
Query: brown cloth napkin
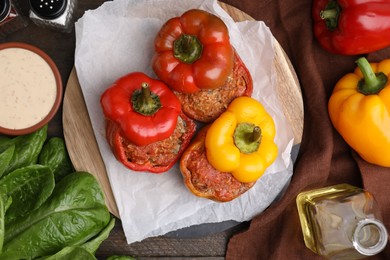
324 158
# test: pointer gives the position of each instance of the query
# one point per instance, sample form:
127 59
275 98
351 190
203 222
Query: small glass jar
341 222
11 19
56 14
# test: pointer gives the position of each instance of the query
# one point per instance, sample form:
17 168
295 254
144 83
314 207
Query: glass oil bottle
341 222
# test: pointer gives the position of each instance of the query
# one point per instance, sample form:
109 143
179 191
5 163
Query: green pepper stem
256 134
331 14
144 101
145 97
247 137
328 14
187 48
371 83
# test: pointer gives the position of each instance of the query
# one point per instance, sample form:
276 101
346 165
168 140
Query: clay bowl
30 88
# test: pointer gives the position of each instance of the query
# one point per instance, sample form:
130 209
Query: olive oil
341 222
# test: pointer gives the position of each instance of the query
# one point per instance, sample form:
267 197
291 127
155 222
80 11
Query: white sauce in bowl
27 88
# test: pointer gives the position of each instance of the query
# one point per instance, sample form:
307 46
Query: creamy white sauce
27 88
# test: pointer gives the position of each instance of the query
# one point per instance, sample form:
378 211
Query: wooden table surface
197 243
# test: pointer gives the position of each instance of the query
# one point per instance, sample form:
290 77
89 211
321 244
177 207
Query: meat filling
159 153
207 180
207 105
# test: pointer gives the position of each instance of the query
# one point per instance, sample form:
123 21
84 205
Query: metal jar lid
5 8
48 9
370 237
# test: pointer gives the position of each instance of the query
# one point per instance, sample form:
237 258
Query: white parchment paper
117 38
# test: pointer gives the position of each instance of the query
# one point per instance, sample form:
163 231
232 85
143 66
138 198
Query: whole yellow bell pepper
241 140
359 110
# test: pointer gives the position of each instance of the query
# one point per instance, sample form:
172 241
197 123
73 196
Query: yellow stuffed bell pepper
241 140
359 110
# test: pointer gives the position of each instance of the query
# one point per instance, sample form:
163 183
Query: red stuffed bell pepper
193 52
352 27
145 125
194 57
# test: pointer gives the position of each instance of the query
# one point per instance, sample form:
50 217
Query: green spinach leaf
93 244
73 253
4 142
2 220
55 155
27 149
4 205
74 213
5 158
29 187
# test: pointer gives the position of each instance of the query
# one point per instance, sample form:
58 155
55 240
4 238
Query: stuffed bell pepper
194 57
145 126
228 156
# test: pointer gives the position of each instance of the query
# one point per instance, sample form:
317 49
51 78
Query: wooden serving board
80 139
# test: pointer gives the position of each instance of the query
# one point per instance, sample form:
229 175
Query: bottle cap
5 8
370 237
48 9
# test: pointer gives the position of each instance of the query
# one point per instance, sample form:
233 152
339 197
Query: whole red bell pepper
193 52
352 27
145 109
